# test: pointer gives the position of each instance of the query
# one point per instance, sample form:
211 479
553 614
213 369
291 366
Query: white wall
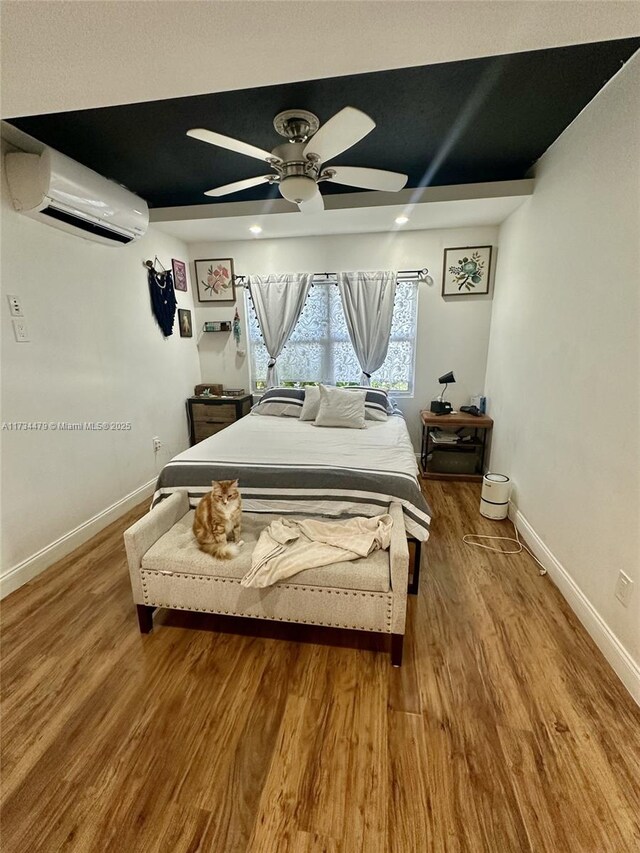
96 354
453 334
563 376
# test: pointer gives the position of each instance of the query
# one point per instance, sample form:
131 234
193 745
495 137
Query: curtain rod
332 277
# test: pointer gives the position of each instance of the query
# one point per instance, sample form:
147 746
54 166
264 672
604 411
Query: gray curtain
367 302
278 301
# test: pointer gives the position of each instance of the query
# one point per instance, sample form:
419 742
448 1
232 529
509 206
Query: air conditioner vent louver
56 190
85 225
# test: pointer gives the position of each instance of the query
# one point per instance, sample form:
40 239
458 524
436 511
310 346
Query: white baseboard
627 670
28 569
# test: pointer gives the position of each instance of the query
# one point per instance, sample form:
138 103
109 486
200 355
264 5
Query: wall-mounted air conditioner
54 189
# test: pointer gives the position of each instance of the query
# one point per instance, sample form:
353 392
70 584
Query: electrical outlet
15 306
624 588
20 330
157 444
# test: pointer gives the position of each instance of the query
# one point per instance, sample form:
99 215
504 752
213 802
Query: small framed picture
179 275
184 321
214 279
466 271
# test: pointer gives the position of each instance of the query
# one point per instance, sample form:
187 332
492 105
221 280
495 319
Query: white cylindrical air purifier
496 489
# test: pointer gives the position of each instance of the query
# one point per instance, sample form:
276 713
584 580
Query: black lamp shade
447 378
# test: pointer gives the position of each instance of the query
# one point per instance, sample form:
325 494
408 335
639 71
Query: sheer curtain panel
367 301
278 301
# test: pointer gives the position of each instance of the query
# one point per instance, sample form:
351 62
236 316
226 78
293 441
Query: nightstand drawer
208 415
205 429
224 413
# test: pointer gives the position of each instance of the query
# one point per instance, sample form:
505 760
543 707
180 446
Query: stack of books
441 436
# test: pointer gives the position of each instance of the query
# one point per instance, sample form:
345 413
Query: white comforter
384 445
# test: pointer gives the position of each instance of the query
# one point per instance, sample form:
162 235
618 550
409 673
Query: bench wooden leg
145 617
397 642
414 586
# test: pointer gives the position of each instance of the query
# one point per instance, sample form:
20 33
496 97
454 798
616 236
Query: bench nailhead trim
308 589
269 618
208 579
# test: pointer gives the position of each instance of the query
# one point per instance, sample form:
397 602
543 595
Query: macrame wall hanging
163 298
236 329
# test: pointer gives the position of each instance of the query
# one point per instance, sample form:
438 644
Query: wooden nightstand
461 461
208 415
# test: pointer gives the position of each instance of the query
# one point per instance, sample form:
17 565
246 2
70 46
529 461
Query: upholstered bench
168 570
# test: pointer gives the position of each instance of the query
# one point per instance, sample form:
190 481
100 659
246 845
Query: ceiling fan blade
368 179
237 186
342 131
314 205
229 143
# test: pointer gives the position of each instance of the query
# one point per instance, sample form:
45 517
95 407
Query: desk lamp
440 406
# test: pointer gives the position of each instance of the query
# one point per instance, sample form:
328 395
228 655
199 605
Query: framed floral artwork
466 271
179 274
214 279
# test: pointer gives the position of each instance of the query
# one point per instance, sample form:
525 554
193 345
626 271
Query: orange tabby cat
216 525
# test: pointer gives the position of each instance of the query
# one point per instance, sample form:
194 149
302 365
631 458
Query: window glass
319 349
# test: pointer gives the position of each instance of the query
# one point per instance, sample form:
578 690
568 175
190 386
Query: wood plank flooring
504 731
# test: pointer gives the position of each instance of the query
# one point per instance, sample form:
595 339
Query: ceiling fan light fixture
299 164
297 188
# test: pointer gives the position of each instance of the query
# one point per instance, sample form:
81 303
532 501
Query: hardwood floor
504 731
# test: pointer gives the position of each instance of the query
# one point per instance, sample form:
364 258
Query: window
319 350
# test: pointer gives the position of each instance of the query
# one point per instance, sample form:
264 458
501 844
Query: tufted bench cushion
177 551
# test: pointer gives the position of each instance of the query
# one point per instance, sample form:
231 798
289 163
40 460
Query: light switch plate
20 330
624 588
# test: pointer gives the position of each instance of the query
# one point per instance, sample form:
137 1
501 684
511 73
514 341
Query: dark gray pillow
280 402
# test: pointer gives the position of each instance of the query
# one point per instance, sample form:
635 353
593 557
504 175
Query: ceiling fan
298 164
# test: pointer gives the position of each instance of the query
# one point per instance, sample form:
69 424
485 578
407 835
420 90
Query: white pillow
376 405
340 408
311 403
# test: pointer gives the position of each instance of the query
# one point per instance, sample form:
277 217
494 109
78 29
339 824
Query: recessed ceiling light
400 220
255 229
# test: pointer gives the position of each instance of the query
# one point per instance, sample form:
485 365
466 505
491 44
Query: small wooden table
462 423
208 415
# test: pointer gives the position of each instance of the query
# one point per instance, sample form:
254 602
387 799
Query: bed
288 466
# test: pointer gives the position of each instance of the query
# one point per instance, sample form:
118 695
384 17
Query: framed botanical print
184 323
179 274
214 279
466 271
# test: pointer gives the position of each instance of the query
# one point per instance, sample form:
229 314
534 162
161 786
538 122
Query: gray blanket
287 467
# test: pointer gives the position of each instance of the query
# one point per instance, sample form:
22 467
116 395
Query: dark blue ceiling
461 122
